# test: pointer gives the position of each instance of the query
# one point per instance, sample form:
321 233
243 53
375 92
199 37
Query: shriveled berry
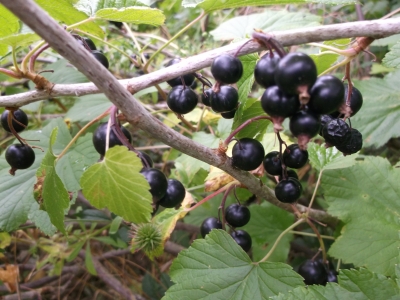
101 58
237 215
188 79
326 95
225 100
247 154
243 239
294 157
182 100
19 122
174 195
288 190
325 119
227 69
272 163
157 181
100 135
278 104
264 71
353 144
336 132
304 125
313 272
208 225
19 157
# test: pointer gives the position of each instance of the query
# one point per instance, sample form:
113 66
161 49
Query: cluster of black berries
18 156
90 46
236 215
294 91
166 192
317 272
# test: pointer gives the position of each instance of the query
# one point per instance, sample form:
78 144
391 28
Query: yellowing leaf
216 179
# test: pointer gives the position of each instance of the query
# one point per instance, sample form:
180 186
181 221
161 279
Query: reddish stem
33 58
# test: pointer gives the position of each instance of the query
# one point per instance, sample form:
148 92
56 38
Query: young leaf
136 15
392 58
89 261
116 183
9 23
245 83
365 198
217 268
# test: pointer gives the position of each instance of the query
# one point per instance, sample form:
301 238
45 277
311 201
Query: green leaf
55 196
268 21
64 12
392 58
89 261
9 23
19 39
266 223
64 73
322 158
246 82
116 183
365 198
217 268
379 118
86 108
91 6
136 15
115 225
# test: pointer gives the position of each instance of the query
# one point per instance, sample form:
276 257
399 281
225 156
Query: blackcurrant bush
247 154
208 225
272 163
87 43
277 104
101 58
294 157
206 97
227 69
356 101
19 122
147 162
290 173
174 195
157 181
181 99
188 79
229 114
336 132
304 125
294 72
243 239
225 100
326 95
237 215
353 144
264 72
100 135
288 190
313 272
19 157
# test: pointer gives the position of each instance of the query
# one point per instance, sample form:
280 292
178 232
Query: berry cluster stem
321 241
315 192
222 205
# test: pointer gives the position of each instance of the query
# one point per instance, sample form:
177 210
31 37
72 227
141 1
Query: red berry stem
268 41
284 168
221 208
10 118
321 241
33 58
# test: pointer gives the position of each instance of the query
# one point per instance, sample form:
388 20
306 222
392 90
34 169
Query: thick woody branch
375 29
65 44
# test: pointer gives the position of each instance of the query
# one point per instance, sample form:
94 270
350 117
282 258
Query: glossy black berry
278 104
264 72
237 215
227 99
356 102
295 70
247 154
290 173
101 58
182 100
353 144
174 195
187 78
243 239
332 276
146 159
313 272
19 157
336 132
19 115
272 163
87 43
208 225
294 157
116 24
99 138
288 190
229 114
227 69
304 125
206 97
157 181
326 95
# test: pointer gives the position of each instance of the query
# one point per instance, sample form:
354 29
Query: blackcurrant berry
353 144
19 157
206 97
294 157
174 195
243 239
290 173
336 132
237 215
325 119
332 276
100 135
101 58
326 95
87 43
264 72
227 69
19 122
188 79
116 24
157 181
182 100
147 162
272 163
304 125
277 104
356 101
288 190
247 154
229 114
225 100
208 225
313 272
295 71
